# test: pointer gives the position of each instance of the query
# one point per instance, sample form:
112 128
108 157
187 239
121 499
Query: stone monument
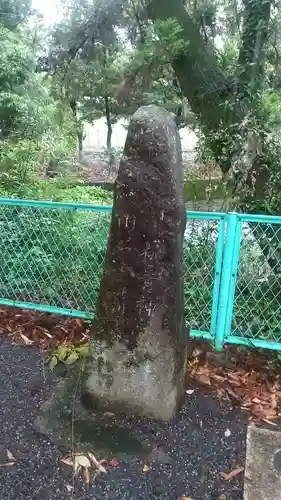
139 345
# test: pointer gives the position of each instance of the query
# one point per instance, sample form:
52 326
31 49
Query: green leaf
71 358
62 352
83 351
53 363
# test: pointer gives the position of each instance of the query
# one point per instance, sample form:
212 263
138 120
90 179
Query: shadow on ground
195 441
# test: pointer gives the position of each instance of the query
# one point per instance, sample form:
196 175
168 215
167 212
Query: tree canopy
215 64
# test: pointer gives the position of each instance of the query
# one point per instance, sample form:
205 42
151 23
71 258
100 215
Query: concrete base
147 382
263 465
68 424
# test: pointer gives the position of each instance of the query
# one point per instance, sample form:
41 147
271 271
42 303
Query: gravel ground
195 441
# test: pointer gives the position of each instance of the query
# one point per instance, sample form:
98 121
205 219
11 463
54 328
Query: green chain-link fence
257 299
52 256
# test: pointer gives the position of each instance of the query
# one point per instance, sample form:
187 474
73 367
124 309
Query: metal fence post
228 279
217 277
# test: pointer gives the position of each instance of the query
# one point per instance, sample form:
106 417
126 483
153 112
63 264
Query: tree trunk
255 32
226 108
108 122
221 105
80 140
78 126
198 72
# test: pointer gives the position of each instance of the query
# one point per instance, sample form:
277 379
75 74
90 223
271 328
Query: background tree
221 58
30 133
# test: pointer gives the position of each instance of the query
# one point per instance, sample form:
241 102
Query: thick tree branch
255 33
198 72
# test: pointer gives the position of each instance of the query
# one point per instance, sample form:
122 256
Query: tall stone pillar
138 342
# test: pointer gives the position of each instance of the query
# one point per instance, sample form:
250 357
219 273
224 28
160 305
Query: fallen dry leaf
273 401
222 497
248 383
185 498
234 377
97 463
10 456
227 476
82 461
145 468
113 462
203 379
79 322
45 332
218 378
269 422
26 340
87 475
42 329
232 393
109 414
77 469
68 461
257 401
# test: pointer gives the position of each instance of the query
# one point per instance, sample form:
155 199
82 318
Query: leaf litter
227 476
44 330
86 463
241 376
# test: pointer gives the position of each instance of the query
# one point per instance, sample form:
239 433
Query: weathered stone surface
69 425
263 465
139 345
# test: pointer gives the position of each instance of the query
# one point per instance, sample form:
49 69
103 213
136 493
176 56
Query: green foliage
155 82
14 72
19 160
36 130
162 42
26 109
93 76
68 354
23 161
59 190
14 12
203 189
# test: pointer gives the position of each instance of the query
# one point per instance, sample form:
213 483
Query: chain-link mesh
52 256
199 259
257 311
55 256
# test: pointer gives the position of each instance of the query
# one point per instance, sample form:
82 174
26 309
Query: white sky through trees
50 9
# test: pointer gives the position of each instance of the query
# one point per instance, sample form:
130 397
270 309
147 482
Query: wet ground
205 439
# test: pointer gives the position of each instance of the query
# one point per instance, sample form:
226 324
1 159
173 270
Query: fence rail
52 257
